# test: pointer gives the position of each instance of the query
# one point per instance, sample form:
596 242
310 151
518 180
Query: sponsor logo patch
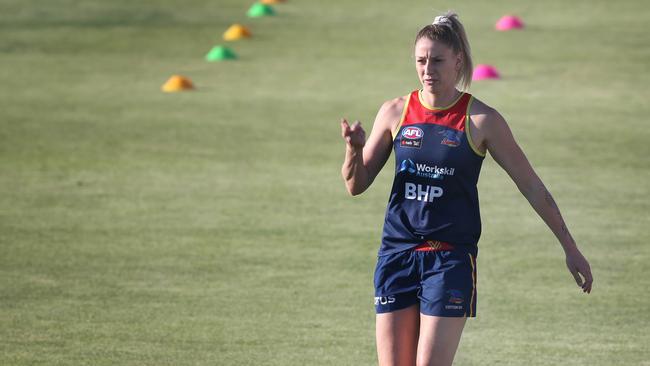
421 192
424 170
412 137
384 300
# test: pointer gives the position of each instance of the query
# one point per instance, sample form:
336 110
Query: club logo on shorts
455 300
412 137
455 296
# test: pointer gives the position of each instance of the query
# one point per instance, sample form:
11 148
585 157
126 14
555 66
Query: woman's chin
430 87
436 87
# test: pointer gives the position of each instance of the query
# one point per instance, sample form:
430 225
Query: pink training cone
482 72
509 22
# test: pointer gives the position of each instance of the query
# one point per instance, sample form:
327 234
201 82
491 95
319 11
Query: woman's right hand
364 159
354 135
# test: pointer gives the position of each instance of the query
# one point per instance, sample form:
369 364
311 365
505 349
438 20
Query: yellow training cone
235 32
177 83
271 2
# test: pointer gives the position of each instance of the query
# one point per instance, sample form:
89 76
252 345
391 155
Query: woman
425 280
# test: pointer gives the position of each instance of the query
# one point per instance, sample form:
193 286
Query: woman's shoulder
395 105
479 107
481 113
391 111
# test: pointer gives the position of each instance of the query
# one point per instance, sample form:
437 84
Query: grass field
213 228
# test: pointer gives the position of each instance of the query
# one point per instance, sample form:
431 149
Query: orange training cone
177 83
236 32
271 2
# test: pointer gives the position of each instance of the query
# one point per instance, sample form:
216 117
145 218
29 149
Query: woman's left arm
506 152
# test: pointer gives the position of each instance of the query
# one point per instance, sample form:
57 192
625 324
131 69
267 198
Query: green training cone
220 53
260 10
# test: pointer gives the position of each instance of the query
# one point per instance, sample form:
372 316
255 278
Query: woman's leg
438 340
397 337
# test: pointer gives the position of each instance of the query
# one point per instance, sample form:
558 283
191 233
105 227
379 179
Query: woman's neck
440 99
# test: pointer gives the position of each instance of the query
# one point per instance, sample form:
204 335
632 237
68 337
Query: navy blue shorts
442 282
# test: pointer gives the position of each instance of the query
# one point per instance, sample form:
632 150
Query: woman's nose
429 68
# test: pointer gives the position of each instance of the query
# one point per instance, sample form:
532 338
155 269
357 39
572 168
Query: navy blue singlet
434 194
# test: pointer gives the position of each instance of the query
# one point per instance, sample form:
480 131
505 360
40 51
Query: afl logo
412 133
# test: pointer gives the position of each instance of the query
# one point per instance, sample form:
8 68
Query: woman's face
437 65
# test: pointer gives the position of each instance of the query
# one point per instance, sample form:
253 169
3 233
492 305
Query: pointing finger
345 127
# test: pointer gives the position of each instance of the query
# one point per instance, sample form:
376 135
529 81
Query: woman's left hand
578 265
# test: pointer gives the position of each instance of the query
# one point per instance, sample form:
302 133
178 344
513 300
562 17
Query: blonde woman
425 279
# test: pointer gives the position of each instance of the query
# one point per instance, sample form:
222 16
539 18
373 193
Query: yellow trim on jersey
467 127
471 261
401 120
427 106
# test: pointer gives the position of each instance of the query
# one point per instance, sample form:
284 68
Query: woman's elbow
353 190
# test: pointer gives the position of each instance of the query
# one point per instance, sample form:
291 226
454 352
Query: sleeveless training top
434 194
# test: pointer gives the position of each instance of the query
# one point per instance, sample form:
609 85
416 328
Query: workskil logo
407 165
424 170
411 137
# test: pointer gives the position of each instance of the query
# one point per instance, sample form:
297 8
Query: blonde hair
448 29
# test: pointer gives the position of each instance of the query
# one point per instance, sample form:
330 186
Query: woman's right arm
364 159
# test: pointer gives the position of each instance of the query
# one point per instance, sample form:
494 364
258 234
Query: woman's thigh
438 340
397 336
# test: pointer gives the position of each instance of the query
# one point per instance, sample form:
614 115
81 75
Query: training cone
260 10
220 53
272 2
236 32
482 72
177 83
509 22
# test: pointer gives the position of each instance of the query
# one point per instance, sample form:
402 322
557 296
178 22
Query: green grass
213 228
